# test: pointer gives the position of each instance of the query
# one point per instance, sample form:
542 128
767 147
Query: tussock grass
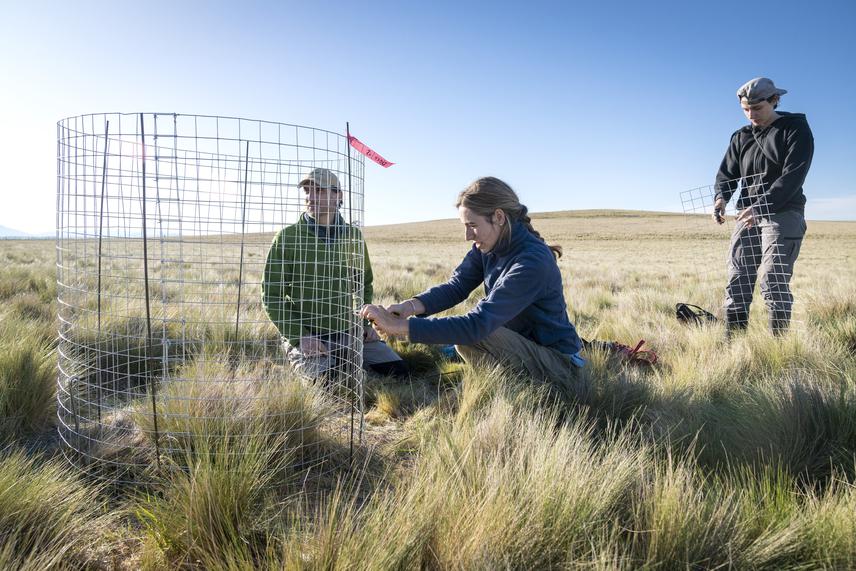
33 307
829 532
220 397
762 401
506 485
834 315
387 406
215 512
217 403
48 517
807 425
736 454
124 363
27 384
39 282
680 521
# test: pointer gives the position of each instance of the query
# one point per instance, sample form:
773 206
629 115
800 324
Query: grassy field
723 455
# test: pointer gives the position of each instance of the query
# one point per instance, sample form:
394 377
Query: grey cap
759 89
324 178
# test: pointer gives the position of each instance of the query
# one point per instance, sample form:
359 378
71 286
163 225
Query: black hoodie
777 155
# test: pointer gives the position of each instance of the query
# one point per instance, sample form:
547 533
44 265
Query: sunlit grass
215 510
27 381
737 454
48 517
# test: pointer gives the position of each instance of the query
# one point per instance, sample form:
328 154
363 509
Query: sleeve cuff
426 304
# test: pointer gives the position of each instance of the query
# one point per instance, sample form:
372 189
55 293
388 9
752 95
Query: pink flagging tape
364 149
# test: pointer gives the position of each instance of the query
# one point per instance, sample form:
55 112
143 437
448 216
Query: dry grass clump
32 307
233 449
219 400
387 406
38 281
27 382
737 454
834 315
505 485
220 508
48 517
829 528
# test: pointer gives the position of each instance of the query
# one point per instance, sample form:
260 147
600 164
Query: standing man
768 161
309 287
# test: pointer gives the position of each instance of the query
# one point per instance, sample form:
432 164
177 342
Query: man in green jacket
312 279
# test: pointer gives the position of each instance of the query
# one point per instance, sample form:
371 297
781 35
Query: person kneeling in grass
308 287
522 322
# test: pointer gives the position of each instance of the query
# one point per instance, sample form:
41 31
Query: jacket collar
313 225
519 234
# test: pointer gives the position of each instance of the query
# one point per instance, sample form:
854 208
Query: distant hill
597 225
11 233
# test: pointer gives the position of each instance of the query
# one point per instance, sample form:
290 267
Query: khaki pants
516 352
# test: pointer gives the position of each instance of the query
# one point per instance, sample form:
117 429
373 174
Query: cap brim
306 181
760 99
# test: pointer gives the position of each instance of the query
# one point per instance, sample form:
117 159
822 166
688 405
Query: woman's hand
412 306
384 321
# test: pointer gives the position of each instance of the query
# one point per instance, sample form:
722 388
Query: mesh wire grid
734 260
164 239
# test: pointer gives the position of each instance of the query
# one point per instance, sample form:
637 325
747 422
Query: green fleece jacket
311 282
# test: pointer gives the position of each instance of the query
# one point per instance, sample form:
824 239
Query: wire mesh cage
203 262
735 253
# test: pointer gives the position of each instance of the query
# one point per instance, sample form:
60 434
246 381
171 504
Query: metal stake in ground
243 223
100 237
351 218
152 389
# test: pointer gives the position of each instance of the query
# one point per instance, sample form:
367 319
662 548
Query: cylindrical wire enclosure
191 268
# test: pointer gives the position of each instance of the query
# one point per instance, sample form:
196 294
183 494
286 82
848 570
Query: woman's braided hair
485 195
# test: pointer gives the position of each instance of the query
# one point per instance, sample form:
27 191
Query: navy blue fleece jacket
523 292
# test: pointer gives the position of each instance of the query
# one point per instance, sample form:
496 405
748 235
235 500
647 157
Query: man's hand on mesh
719 211
747 217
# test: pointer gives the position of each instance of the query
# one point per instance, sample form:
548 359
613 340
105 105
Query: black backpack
693 314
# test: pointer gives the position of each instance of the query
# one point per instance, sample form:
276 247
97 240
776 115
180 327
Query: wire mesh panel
196 257
742 245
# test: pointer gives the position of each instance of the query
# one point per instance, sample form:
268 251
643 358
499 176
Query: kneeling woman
522 321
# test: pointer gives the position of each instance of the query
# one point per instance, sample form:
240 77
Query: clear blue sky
589 105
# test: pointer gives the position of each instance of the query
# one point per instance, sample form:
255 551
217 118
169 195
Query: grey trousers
769 248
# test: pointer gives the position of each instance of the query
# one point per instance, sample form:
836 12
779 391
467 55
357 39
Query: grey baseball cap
759 89
324 178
